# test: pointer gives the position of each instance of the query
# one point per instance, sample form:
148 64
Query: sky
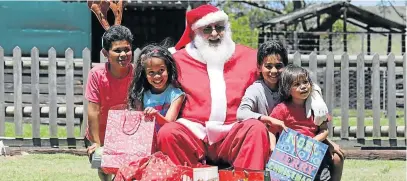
374 3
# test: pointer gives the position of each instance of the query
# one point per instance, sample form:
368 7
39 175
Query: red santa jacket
240 71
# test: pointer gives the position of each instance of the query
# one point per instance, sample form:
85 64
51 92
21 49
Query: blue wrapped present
296 157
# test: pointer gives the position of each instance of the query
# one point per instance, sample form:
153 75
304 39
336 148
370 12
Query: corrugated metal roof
354 12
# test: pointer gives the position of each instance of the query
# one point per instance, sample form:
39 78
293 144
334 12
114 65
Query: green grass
368 112
368 118
44 131
64 167
59 167
368 121
371 170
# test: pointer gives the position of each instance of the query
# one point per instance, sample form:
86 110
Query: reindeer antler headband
100 8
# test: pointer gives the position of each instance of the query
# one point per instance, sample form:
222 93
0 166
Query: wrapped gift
203 173
155 167
129 136
296 157
243 175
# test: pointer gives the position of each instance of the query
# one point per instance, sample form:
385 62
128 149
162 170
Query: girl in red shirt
295 86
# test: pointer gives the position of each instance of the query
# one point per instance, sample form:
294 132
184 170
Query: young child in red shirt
295 86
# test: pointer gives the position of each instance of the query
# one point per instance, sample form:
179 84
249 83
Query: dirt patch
350 154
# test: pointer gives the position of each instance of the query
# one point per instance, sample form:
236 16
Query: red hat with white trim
199 17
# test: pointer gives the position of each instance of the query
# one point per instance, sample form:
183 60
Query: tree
242 33
246 16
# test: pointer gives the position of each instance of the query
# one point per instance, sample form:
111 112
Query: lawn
384 121
64 167
44 131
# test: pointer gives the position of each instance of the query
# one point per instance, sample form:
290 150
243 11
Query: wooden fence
49 91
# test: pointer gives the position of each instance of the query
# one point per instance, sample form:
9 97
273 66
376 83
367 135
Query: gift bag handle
296 152
131 131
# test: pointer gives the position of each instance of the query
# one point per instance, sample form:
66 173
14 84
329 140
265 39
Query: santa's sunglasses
208 29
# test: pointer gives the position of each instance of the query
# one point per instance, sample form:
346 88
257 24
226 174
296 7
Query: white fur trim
210 18
194 127
193 52
217 131
218 92
172 50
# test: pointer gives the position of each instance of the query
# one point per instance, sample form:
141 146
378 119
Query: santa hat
199 17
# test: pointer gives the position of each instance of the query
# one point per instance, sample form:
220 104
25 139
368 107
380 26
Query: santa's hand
316 103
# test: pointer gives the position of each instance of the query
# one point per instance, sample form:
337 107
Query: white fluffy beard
215 54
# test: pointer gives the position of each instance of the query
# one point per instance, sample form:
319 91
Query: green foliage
241 31
244 20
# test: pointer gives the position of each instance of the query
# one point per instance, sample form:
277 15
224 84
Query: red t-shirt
102 88
295 118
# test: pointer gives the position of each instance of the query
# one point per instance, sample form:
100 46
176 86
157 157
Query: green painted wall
45 24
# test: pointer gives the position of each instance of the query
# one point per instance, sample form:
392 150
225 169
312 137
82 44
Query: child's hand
149 111
92 148
335 148
282 125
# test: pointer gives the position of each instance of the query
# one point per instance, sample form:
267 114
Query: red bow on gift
154 167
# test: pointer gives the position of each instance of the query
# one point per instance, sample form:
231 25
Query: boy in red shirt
108 84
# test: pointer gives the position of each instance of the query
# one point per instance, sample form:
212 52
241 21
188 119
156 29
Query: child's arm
273 122
278 116
172 112
248 106
323 132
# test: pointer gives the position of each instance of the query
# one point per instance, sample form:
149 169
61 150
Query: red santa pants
246 146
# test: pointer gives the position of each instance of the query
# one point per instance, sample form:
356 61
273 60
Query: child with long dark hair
295 86
155 88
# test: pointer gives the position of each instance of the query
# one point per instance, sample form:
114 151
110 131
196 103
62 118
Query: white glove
316 103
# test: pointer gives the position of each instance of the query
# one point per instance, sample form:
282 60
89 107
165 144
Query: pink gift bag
129 136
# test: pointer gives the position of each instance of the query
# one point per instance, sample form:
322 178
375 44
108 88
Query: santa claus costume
214 80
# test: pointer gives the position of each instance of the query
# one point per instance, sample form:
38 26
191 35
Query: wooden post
285 35
405 94
295 41
391 95
102 57
297 58
345 96
376 95
368 42
330 39
319 35
52 93
345 31
360 77
403 44
35 93
389 44
313 67
86 67
2 111
18 84
362 37
136 54
329 88
264 34
69 70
